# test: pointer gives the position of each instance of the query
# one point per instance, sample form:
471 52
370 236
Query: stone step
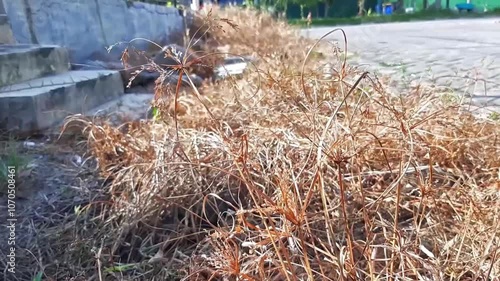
21 62
36 105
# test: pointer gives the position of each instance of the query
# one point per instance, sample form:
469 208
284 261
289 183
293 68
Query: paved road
444 50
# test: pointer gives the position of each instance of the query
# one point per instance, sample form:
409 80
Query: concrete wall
87 27
5 31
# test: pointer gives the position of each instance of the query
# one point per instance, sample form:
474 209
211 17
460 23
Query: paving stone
456 51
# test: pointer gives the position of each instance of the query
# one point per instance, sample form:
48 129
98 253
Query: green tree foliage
305 4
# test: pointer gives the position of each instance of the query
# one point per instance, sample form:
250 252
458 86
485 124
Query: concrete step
20 62
36 105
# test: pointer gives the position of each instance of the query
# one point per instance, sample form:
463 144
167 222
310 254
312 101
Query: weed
11 158
38 276
494 116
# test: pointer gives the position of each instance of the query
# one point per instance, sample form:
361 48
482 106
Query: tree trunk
438 5
327 7
361 7
426 3
448 4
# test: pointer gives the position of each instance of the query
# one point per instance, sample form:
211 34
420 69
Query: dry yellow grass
291 173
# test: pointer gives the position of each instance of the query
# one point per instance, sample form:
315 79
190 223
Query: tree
274 7
361 7
438 5
328 4
305 4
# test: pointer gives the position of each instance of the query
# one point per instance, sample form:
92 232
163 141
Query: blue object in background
388 9
465 6
228 2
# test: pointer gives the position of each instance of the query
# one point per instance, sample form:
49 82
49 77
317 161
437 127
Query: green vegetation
419 16
495 116
10 158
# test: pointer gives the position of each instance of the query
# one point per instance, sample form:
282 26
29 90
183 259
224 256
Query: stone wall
5 31
87 27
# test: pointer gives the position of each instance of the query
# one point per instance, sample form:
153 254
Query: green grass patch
8 159
419 16
495 116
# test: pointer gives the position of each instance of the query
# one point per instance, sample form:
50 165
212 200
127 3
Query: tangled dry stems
293 175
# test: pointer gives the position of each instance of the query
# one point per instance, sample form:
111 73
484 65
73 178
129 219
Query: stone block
20 63
88 28
6 36
34 106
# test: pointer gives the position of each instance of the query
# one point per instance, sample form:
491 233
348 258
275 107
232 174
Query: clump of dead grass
298 172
